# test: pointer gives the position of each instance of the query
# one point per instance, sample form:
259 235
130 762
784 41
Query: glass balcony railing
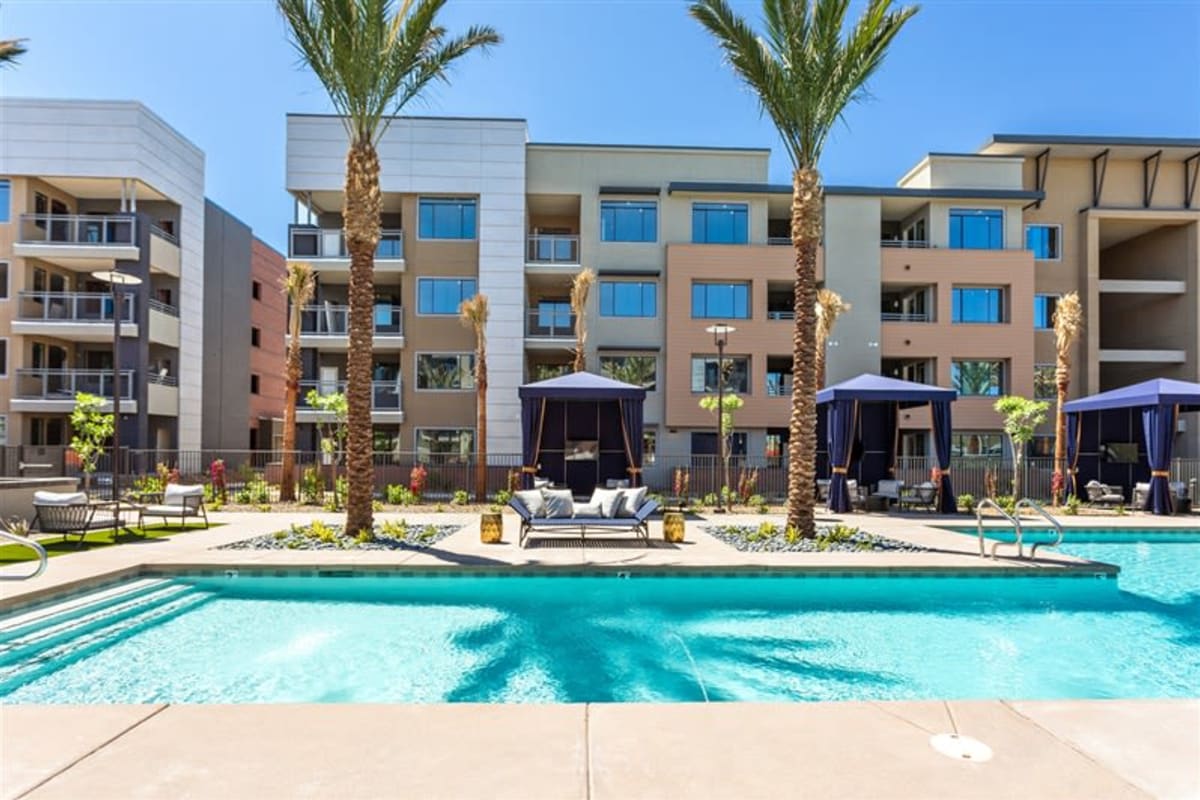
78 229
306 242
331 320
385 395
552 249
550 324
72 307
64 384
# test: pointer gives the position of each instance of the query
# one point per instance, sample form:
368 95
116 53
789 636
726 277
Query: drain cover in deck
960 748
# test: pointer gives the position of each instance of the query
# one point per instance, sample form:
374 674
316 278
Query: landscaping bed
331 536
771 538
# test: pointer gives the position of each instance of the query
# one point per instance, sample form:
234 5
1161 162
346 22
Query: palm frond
830 306
11 50
1068 321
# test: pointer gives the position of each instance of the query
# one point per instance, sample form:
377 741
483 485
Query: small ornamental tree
1021 418
91 428
729 404
332 427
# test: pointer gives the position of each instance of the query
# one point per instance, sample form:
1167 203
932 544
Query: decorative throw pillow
608 500
541 483
631 501
559 503
533 501
587 510
613 483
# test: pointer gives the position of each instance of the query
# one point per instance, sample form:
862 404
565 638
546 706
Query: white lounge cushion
43 498
559 503
533 501
588 510
607 500
632 501
170 510
541 483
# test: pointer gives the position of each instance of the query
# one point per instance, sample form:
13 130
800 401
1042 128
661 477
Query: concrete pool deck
1093 749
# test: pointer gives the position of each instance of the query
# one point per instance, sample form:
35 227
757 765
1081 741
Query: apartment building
88 186
952 273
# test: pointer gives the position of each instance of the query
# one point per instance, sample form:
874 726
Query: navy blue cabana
865 408
1099 425
580 430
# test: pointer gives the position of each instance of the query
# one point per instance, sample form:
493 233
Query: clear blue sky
637 71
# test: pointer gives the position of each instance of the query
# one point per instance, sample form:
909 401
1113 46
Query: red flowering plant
417 480
216 473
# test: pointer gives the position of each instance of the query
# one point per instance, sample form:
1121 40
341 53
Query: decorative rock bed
321 536
771 538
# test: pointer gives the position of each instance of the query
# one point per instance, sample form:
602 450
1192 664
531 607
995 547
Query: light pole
720 332
118 281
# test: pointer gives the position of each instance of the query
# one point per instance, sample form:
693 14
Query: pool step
92 617
54 613
57 655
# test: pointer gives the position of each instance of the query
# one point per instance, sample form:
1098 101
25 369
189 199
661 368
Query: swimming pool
598 638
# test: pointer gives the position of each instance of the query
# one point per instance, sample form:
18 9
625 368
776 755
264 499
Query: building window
628 299
554 318
704 443
737 374
976 229
47 432
1045 386
253 384
636 370
447 218
1044 241
3 357
3 430
443 295
445 445
649 447
256 290
3 280
255 337
445 372
1043 311
720 300
1041 446
628 221
978 304
5 201
977 443
978 378
775 445
720 223
779 380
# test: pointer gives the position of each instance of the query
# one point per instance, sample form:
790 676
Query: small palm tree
805 73
581 287
299 286
830 306
10 51
1068 324
373 57
473 314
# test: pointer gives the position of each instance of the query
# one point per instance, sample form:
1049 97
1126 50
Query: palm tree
805 74
830 306
299 287
373 58
1068 324
473 314
10 51
581 287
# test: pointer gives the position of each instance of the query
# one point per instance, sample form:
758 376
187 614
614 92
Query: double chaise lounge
618 510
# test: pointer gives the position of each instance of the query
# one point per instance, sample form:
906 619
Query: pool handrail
988 502
30 543
1025 502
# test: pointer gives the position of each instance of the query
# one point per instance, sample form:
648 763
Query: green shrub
1072 505
502 497
1008 503
756 500
400 495
254 492
322 532
1121 510
461 497
966 502
312 486
365 536
764 531
376 505
710 500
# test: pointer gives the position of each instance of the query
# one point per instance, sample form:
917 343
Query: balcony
386 401
327 327
549 328
164 252
77 241
75 316
54 390
327 247
162 394
906 316
552 250
164 324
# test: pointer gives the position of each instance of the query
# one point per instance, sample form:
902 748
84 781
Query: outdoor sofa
178 502
1179 496
70 514
585 517
923 495
1101 494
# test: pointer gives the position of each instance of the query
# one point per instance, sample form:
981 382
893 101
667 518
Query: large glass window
1043 240
705 371
628 220
443 295
721 300
1043 310
1045 386
628 299
978 378
3 280
445 372
977 443
978 304
720 223
637 370
704 443
447 218
976 229
445 445
554 318
5 200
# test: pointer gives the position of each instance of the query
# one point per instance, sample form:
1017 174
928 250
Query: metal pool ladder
32 545
1014 519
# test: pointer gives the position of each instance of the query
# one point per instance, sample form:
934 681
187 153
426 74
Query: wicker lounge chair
70 514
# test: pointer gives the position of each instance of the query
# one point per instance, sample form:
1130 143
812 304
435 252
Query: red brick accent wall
269 315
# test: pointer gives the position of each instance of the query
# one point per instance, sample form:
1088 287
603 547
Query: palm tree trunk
287 480
1062 379
361 216
481 427
802 426
819 365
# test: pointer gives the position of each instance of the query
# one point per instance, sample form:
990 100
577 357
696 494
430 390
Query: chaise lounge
178 502
1101 494
70 514
585 516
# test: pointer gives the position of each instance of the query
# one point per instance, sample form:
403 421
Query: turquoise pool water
604 638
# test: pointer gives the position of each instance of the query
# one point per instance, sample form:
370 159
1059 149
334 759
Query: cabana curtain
942 432
631 420
1158 424
533 417
843 420
1071 479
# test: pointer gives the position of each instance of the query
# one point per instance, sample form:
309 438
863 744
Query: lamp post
118 281
720 332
